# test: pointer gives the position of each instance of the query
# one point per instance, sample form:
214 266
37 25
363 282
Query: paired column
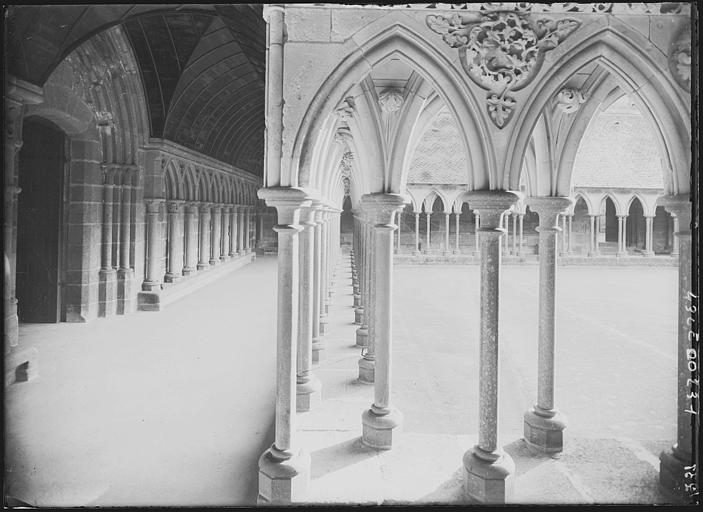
107 287
648 235
673 474
381 421
125 273
240 231
456 224
367 362
152 281
283 468
191 242
224 248
489 470
593 236
175 252
233 220
362 333
417 233
307 384
205 232
427 234
544 425
569 246
477 247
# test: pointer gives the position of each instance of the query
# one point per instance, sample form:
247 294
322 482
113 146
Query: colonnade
200 235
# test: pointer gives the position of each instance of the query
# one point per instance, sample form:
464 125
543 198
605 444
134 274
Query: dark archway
346 222
580 228
611 221
662 232
635 226
40 225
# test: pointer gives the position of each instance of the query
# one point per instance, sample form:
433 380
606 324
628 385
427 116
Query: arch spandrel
402 40
639 69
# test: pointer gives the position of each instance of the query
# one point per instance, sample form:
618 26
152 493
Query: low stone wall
467 259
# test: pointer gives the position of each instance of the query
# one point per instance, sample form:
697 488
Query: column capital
308 216
192 207
548 209
174 205
287 200
680 207
153 205
381 208
205 207
491 204
216 207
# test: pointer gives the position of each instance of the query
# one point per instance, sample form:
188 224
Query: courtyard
174 408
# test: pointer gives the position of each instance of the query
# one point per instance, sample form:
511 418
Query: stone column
544 424
215 234
427 234
326 231
308 386
622 251
324 255
355 270
675 244
362 333
521 218
446 234
317 344
365 335
672 472
284 469
477 248
247 230
107 287
649 222
506 227
116 216
569 246
417 233
205 230
234 237
397 250
489 470
564 233
456 224
125 302
152 281
191 243
226 216
514 217
592 240
240 232
175 254
382 421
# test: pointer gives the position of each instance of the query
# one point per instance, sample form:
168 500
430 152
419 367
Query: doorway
40 226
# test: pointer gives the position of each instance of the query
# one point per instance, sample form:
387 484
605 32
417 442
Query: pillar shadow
333 458
527 457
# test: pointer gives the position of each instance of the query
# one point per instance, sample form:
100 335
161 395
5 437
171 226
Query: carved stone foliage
390 100
569 100
503 52
346 163
345 111
680 58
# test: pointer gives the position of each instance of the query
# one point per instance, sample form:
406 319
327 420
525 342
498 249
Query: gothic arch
616 203
421 56
587 202
631 59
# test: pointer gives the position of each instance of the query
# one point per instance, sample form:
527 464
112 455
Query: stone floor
175 407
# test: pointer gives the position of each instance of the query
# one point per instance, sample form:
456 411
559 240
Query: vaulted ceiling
202 66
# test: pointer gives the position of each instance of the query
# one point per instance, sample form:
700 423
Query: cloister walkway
176 407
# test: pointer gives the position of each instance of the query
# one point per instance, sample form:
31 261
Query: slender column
116 215
175 256
247 230
382 421
125 300
224 248
356 271
648 232
563 234
329 259
514 217
240 232
417 233
152 281
675 244
456 224
215 234
596 246
672 470
506 238
446 234
397 250
107 224
232 249
317 344
544 425
592 236
307 384
521 218
284 470
191 244
367 362
489 470
260 222
622 235
569 246
362 333
427 223
107 305
323 271
205 229
477 248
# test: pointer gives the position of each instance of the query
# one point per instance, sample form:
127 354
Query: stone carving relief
569 100
390 100
503 52
680 58
345 111
346 164
556 7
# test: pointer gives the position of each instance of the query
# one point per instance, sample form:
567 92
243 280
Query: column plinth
488 470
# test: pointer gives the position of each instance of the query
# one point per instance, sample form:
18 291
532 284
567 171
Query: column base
367 370
107 292
125 293
189 271
203 266
544 430
149 301
380 432
224 259
672 474
241 253
318 350
362 337
214 263
308 395
488 477
282 482
357 300
172 278
648 253
620 254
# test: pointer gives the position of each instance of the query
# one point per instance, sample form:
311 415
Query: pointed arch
586 200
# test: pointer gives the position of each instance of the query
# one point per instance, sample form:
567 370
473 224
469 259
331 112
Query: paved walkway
175 407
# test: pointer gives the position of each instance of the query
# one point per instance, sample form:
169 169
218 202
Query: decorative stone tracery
503 52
